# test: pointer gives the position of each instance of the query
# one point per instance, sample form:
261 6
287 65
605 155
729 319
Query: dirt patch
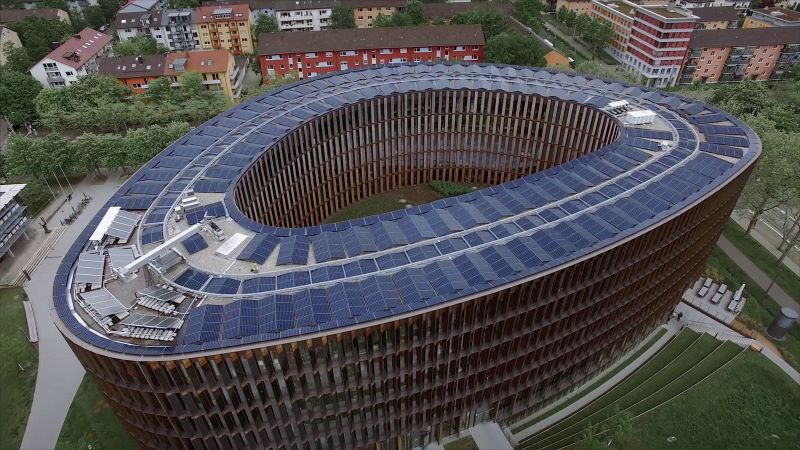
99 179
743 328
416 195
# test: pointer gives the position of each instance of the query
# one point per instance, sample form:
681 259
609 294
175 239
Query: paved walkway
673 328
762 279
765 234
60 373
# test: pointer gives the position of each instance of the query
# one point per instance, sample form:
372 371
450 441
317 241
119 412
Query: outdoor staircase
39 256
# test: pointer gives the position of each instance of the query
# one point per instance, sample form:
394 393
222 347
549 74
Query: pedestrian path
762 279
38 257
60 374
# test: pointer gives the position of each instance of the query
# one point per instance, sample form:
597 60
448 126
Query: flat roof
716 13
437 253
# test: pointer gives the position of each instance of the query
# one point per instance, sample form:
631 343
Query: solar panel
103 302
210 211
259 284
123 224
150 321
90 269
121 256
293 250
211 185
413 286
194 243
161 294
259 248
223 285
358 240
192 279
328 246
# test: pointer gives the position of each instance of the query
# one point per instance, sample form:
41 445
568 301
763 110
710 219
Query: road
60 373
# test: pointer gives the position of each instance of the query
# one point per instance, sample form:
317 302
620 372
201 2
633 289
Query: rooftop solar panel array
370 268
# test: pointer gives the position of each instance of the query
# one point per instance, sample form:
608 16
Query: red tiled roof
204 14
15 15
200 61
80 48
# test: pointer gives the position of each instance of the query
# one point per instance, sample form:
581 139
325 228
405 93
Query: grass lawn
465 443
91 421
749 404
16 386
386 202
582 393
759 309
783 277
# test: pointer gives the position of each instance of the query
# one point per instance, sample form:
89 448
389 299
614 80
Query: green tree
17 58
529 12
412 15
69 107
94 16
492 22
511 47
562 14
581 24
109 8
192 87
139 45
265 24
77 21
742 99
17 94
772 183
598 34
183 3
39 157
438 21
37 33
601 70
59 4
342 17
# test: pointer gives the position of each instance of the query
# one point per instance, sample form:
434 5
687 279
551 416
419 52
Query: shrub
450 188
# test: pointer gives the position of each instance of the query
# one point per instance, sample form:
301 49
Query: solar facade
496 301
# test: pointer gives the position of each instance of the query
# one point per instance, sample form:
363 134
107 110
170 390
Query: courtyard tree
511 47
492 22
771 184
139 45
18 92
265 24
37 34
342 17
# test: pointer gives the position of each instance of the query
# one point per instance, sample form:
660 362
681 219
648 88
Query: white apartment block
75 58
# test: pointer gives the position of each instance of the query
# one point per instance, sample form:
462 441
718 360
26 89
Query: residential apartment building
620 15
365 11
303 15
692 4
15 15
579 6
225 27
659 43
174 28
13 222
308 54
716 18
772 17
141 23
650 40
218 68
141 6
7 36
136 72
733 55
73 59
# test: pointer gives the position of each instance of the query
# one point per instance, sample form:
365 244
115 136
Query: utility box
782 324
641 117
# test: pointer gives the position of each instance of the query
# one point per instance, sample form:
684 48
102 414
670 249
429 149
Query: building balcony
737 51
741 59
55 77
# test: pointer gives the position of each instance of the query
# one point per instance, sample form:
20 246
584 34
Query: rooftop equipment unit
640 117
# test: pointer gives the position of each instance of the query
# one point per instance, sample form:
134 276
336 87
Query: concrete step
40 255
